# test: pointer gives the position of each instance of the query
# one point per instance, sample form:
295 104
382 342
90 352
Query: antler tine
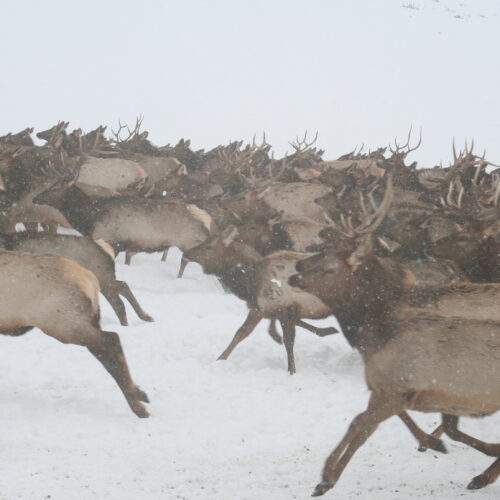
376 219
117 134
284 164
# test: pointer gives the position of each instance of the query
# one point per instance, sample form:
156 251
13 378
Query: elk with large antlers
414 359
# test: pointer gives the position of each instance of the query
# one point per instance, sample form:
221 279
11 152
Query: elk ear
229 234
363 250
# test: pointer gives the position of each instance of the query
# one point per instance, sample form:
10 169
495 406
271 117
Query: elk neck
372 293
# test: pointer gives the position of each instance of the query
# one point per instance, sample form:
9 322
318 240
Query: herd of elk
407 259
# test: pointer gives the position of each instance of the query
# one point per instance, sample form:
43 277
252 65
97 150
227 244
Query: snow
241 429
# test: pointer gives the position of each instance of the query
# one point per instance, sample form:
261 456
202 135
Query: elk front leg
124 290
288 324
489 476
320 332
128 257
243 332
110 353
450 427
164 254
184 263
425 440
361 428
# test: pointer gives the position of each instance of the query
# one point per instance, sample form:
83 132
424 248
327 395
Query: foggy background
356 71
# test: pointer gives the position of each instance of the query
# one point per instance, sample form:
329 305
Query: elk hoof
328 331
142 396
435 444
147 317
478 482
322 488
124 322
139 409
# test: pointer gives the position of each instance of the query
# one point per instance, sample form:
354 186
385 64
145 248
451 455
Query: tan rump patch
106 247
200 214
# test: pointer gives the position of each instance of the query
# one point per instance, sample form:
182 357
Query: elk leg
320 332
273 332
128 257
164 254
288 324
489 476
243 332
124 290
110 353
184 263
450 427
361 428
116 303
424 440
31 227
436 433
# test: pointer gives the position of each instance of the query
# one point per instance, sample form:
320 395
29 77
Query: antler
131 133
450 202
301 146
370 221
399 149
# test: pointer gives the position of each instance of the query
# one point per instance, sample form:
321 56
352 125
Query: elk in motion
61 298
263 283
414 360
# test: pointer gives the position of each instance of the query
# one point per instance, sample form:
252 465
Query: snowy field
241 429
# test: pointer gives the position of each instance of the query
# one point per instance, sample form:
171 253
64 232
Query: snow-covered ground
241 429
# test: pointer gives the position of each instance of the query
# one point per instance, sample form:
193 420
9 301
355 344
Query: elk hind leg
116 303
288 324
109 352
273 332
320 332
489 476
252 320
380 408
124 290
450 427
425 440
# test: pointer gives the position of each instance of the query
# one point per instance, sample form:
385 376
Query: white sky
355 70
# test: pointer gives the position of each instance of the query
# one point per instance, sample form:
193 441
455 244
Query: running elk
262 282
61 298
414 359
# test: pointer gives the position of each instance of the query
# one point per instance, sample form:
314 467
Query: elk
414 359
262 283
61 298
128 223
97 257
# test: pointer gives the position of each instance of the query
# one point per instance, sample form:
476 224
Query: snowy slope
242 429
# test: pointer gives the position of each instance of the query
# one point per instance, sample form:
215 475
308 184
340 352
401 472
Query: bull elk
414 359
61 298
263 283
